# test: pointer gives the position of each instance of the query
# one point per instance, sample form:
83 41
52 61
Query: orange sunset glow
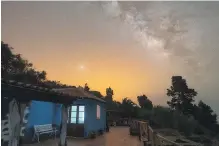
130 46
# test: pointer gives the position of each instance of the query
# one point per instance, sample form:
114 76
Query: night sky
134 47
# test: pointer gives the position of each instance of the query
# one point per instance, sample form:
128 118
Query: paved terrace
118 136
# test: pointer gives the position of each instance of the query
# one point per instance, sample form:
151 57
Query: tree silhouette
14 67
86 88
144 102
6 58
205 115
97 94
109 94
182 96
129 108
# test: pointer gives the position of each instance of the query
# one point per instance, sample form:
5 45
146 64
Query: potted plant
100 132
92 135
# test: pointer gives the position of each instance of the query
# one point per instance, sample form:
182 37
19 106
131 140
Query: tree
182 96
14 67
6 58
41 75
129 108
205 115
109 94
110 104
97 94
144 102
86 88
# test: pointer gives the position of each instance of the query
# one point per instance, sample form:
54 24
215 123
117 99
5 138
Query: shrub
167 118
184 123
92 134
100 132
144 114
163 116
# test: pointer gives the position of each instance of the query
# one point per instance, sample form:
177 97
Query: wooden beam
25 95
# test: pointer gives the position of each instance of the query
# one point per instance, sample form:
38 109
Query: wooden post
23 120
63 131
24 113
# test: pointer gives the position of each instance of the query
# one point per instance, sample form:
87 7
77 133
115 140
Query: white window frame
77 115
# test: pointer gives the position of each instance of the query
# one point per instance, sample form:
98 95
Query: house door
75 125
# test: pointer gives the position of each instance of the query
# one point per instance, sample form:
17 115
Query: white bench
43 129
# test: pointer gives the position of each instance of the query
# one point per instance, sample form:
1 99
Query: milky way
184 33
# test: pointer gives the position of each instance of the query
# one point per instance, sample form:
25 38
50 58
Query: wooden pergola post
63 131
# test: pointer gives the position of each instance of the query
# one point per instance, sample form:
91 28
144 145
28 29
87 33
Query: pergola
17 95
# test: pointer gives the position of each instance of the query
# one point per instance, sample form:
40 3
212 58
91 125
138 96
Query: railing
162 141
141 129
119 122
134 127
150 137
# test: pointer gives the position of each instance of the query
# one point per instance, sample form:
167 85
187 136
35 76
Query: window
98 112
73 114
76 113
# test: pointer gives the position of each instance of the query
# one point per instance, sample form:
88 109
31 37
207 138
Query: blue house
86 115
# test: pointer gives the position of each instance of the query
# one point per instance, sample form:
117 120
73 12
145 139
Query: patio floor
118 136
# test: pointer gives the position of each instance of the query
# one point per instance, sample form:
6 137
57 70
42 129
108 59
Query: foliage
129 108
182 96
144 102
97 94
166 118
100 132
55 84
92 134
206 117
109 94
110 103
14 67
184 124
113 105
86 88
6 58
144 114
163 116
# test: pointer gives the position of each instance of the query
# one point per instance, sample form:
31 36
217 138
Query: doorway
75 126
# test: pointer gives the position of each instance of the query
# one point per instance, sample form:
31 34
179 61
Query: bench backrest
41 128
